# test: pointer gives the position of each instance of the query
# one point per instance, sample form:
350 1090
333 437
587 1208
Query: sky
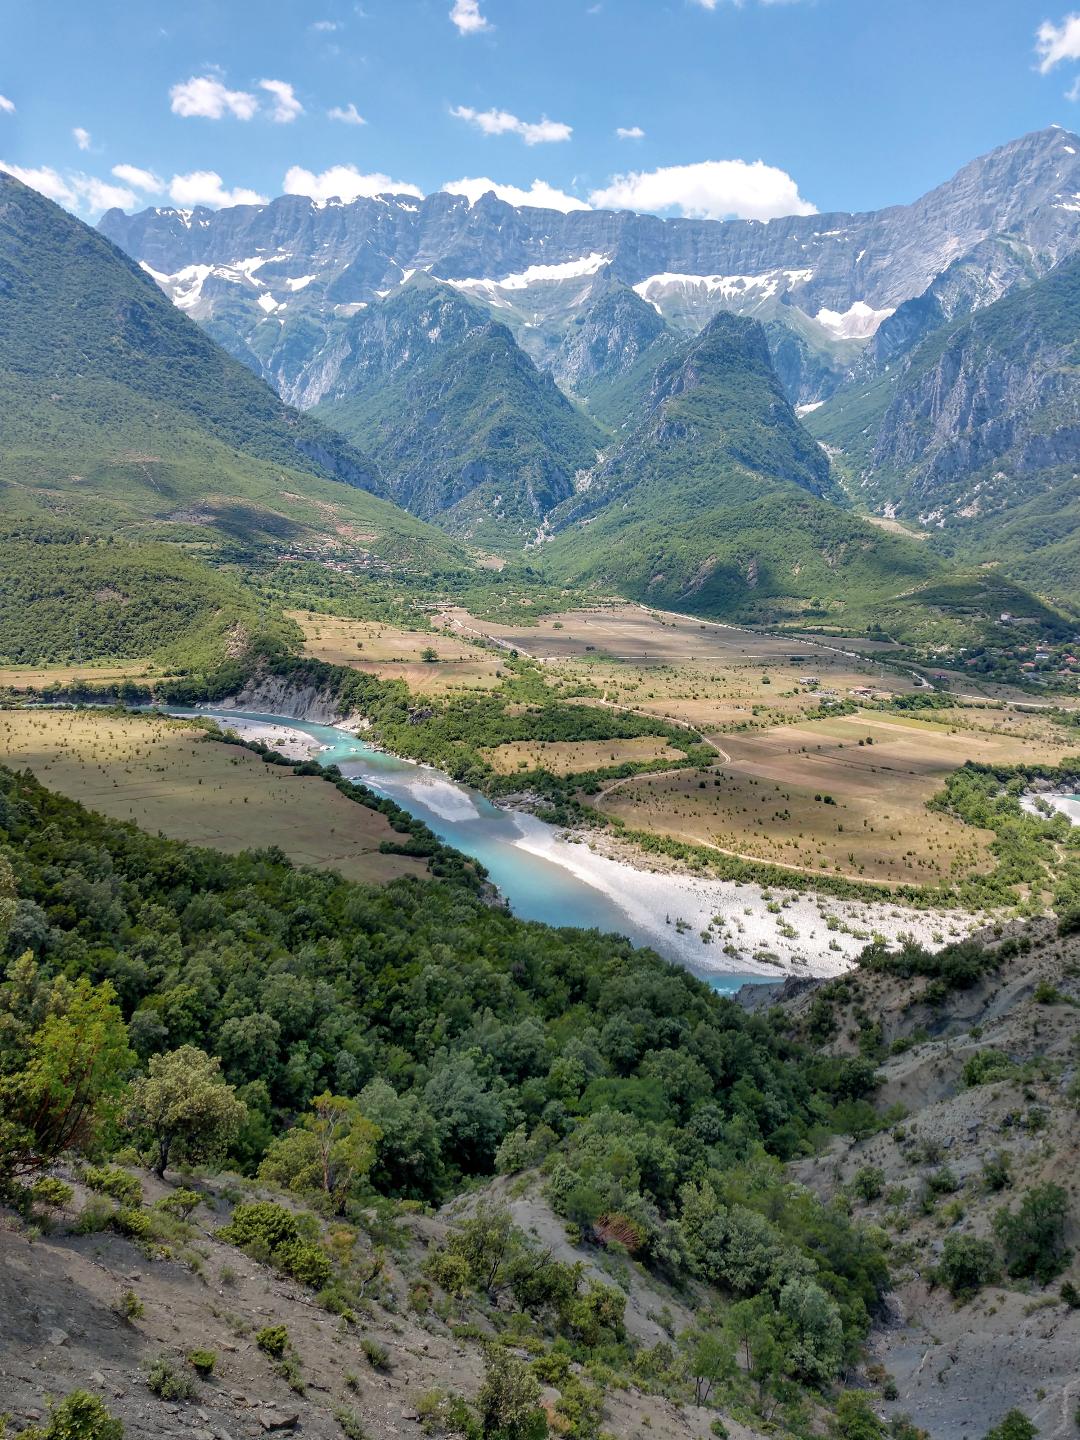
756 108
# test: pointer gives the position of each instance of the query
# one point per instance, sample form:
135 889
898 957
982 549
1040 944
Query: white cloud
344 182
206 96
82 137
630 132
139 179
466 16
73 191
347 114
1055 43
325 27
7 107
286 106
204 187
100 195
46 181
501 122
712 189
540 194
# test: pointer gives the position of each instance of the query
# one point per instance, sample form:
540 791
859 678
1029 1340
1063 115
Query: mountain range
273 283
499 366
620 414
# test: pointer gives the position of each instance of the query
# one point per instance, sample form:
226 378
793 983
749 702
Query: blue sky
749 108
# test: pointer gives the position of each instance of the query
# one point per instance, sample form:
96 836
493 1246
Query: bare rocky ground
960 1367
60 1329
957 1368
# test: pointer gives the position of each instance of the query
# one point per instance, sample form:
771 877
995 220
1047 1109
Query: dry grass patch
569 757
165 776
811 795
395 654
93 672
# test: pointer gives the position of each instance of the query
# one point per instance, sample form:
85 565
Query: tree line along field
167 778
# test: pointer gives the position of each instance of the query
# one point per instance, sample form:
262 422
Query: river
545 874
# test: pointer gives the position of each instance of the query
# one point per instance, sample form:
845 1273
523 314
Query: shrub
1033 1238
305 1262
509 1399
180 1203
942 1182
966 1265
997 1172
377 1356
1015 1426
134 1224
53 1193
130 1306
1070 1295
167 1383
350 1422
109 1180
79 1416
261 1223
987 1066
273 1340
868 1183
202 1362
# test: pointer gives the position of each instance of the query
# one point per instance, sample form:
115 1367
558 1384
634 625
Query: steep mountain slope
720 502
270 282
119 415
608 355
66 598
465 430
978 432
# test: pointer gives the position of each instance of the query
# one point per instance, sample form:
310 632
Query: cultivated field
94 672
846 795
166 777
395 654
571 757
790 788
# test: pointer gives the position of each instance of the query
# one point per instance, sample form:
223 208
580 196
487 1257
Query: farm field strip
165 776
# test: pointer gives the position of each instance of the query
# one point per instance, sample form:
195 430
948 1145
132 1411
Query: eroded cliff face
272 695
980 418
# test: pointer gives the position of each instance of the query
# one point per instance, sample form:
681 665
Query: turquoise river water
535 887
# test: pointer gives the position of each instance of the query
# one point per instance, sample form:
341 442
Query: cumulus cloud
7 107
630 132
139 179
466 16
344 182
347 114
540 193
1057 43
82 137
205 187
73 191
45 180
207 97
501 122
286 106
711 190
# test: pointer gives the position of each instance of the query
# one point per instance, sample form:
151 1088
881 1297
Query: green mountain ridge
720 502
467 432
118 415
976 435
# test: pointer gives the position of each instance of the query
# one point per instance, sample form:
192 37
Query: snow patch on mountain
537 275
858 322
756 288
